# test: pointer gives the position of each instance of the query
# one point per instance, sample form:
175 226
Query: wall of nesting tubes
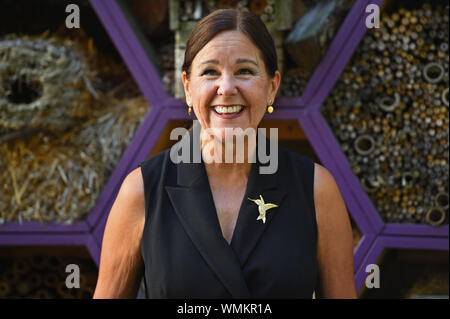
377 235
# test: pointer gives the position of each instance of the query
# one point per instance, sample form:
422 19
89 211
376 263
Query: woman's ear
274 84
186 86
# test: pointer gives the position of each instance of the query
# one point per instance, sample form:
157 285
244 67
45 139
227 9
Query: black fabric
185 253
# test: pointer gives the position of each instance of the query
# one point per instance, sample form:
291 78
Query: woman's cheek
205 90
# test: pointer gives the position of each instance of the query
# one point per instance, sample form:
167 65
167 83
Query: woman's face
229 71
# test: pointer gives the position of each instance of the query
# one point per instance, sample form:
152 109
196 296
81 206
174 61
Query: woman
195 230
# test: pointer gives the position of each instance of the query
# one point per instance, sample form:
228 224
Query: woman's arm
335 239
121 265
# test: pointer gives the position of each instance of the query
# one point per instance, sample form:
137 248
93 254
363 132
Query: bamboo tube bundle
390 115
85 293
44 276
432 284
42 294
51 279
56 264
20 266
9 277
4 289
38 262
23 288
34 279
66 293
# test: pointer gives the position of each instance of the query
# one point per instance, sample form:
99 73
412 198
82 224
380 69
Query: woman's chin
233 132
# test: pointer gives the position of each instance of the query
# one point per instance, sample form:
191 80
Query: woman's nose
226 85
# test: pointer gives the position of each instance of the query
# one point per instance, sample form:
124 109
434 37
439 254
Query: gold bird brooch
262 207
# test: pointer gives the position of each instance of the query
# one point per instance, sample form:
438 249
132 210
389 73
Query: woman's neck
228 160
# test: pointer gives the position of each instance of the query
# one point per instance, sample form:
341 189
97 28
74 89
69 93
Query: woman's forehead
228 44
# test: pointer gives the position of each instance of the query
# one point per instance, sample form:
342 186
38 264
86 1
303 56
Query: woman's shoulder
305 162
325 187
132 189
152 173
327 196
312 174
133 184
156 161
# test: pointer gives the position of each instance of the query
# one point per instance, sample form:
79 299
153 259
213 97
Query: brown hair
231 19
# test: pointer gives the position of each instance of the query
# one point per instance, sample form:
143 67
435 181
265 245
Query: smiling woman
233 85
193 229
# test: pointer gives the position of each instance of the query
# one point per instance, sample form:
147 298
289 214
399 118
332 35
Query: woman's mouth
228 112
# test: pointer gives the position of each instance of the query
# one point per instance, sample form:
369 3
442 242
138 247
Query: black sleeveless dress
183 249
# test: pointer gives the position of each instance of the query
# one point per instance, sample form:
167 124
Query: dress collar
194 205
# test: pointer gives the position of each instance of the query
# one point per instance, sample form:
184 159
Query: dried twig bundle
58 149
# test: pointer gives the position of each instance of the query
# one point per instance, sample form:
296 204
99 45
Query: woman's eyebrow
245 61
238 61
210 61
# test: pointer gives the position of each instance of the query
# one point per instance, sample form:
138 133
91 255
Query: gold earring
190 108
270 107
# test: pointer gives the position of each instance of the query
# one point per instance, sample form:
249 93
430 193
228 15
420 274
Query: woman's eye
245 71
209 72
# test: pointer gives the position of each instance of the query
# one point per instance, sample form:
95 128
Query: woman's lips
228 116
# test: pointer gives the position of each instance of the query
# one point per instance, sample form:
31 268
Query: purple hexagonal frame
383 242
306 109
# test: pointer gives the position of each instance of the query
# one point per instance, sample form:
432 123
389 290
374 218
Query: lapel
194 205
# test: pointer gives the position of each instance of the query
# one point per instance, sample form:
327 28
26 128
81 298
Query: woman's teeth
228 109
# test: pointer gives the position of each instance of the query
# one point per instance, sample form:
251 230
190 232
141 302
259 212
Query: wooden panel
287 130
